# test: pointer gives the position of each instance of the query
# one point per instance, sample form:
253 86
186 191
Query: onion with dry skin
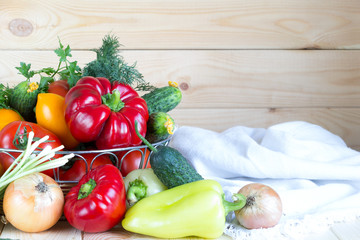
33 203
263 208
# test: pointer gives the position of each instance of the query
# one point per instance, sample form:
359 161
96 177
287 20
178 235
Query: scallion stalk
28 162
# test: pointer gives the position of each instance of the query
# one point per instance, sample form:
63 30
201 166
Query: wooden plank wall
238 62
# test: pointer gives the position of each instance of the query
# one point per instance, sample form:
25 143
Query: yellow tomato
8 116
50 115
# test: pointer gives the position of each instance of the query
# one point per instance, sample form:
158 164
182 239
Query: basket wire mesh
117 156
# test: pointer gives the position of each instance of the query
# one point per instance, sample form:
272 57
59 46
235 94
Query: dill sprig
111 65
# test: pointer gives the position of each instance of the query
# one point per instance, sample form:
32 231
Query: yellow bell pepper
49 113
193 209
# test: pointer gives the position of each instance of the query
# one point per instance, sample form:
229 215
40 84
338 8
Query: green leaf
48 71
44 83
68 51
61 46
24 70
63 53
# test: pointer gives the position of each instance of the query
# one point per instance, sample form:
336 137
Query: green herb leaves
66 69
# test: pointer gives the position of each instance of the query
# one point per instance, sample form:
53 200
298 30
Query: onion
33 203
263 208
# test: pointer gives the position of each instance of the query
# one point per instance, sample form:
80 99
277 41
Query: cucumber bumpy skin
169 165
172 168
23 98
163 99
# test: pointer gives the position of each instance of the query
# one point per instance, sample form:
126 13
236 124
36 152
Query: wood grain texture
182 24
232 79
62 230
255 88
238 62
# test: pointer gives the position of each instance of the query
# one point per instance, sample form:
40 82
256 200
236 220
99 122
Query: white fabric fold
312 169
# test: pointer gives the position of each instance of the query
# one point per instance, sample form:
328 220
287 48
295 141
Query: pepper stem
86 189
137 190
236 205
113 101
152 148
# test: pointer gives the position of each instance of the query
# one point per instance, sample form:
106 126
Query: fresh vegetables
133 159
8 116
59 87
23 96
163 99
170 166
159 127
100 107
192 209
28 162
263 208
98 202
78 166
50 115
15 135
23 99
33 203
141 183
104 112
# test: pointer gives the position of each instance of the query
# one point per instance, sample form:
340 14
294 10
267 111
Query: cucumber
23 98
169 165
159 127
163 99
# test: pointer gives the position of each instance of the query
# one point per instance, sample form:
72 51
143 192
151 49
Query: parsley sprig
66 69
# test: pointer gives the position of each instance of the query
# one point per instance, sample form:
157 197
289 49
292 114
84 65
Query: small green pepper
192 209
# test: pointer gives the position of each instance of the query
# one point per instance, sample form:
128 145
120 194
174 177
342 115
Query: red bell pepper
98 202
104 112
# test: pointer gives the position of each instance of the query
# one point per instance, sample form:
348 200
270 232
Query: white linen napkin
316 175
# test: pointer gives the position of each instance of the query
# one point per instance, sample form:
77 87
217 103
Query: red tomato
132 160
98 202
76 168
14 136
59 87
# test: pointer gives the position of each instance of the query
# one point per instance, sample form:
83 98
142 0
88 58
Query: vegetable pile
153 190
94 108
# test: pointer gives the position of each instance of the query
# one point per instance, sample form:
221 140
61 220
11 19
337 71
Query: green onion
28 162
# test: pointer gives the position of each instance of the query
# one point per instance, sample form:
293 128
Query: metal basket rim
167 140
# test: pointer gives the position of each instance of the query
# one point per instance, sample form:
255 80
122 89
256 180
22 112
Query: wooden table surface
63 230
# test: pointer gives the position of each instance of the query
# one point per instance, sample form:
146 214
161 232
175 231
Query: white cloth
316 175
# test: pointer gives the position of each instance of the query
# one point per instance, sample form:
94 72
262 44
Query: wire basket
117 156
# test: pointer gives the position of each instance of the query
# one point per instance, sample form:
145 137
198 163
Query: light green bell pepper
192 209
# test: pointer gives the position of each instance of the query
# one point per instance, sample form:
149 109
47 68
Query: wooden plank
118 232
182 24
343 122
232 79
62 230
